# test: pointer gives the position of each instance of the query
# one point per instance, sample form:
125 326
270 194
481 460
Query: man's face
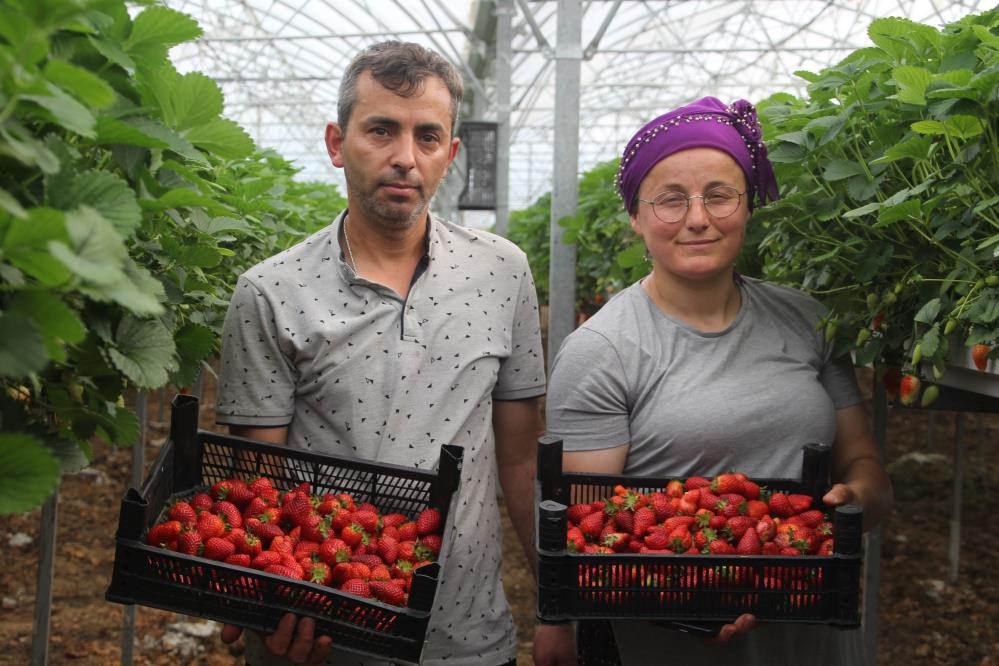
395 151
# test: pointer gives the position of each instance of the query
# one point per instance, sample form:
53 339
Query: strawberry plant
890 182
128 206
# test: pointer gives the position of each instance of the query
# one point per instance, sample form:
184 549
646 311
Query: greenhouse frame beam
594 44
539 36
503 71
749 50
325 36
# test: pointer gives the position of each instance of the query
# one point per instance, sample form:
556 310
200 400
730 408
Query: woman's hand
299 646
555 645
742 624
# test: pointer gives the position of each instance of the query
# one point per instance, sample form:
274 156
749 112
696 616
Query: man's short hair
402 67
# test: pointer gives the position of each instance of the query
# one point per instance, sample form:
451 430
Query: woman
696 370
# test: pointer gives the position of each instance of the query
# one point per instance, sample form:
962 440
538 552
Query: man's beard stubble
386 215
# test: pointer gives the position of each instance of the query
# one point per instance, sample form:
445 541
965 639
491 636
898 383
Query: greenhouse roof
279 61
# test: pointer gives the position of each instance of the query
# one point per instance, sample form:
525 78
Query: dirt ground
924 618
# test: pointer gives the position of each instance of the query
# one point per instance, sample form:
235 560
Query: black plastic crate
697 592
193 460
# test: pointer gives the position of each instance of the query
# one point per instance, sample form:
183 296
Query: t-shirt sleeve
840 381
522 373
257 380
587 404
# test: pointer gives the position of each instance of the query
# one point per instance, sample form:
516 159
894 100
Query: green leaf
180 198
195 343
928 313
217 225
916 148
56 321
964 127
930 341
21 144
155 30
126 427
863 210
860 188
929 127
196 100
113 52
87 87
223 137
841 169
29 473
912 82
174 141
95 251
70 456
22 348
787 153
144 350
111 130
10 204
910 209
631 256
65 110
26 245
135 289
106 193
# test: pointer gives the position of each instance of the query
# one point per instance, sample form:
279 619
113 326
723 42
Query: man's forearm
517 481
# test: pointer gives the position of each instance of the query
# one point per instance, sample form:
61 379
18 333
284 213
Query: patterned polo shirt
355 370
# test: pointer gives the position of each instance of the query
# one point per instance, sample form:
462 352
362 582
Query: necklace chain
346 240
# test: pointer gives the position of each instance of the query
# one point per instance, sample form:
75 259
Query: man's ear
455 143
334 144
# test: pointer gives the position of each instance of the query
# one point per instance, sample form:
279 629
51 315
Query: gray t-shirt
692 403
353 370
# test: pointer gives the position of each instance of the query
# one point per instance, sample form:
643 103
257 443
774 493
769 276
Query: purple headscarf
706 123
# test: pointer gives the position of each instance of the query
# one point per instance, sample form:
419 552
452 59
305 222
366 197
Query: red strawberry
333 551
908 389
749 544
790 551
306 549
260 485
766 528
380 572
707 499
340 518
750 489
432 542
770 548
591 525
574 540
703 537
780 505
265 559
346 501
800 503
319 572
671 524
249 544
298 509
283 545
184 513
980 355
210 525
217 548
738 526
616 541
727 483
680 540
695 482
812 517
825 548
353 535
690 502
721 547
189 542
662 507
266 532
428 522
239 559
229 512
644 519
368 520
233 490
393 520
674 489
326 505
357 587
756 509
164 533
407 531
201 502
387 592
283 570
624 520
388 549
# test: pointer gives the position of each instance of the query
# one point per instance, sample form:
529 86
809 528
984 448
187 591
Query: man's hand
839 495
742 624
298 646
554 645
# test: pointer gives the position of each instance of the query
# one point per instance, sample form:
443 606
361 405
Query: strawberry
591 524
679 540
644 519
812 517
671 524
265 559
770 548
320 573
756 509
387 592
731 509
201 502
662 507
428 522
749 544
342 572
260 485
249 545
703 517
361 570
577 512
393 520
353 535
266 532
674 489
727 483
825 548
703 537
432 542
695 482
980 355
380 572
282 570
908 389
721 547
233 490
210 525
750 489
298 509
800 503
340 518
333 550
766 528
217 548
598 505
239 559
368 520
282 544
407 531
707 499
624 520
738 526
306 549
616 541
326 505
780 505
184 513
164 534
256 507
189 542
346 501
388 549
229 512
574 540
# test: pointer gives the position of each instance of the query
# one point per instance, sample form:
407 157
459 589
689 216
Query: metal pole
503 67
873 539
46 570
138 467
954 550
565 181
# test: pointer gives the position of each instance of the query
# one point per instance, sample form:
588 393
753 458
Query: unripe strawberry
908 389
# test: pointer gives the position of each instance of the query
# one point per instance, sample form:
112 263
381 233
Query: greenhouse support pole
46 571
503 66
565 181
872 540
138 466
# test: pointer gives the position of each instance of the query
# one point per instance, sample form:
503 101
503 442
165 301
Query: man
390 333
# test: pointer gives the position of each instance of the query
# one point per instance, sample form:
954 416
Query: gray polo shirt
353 369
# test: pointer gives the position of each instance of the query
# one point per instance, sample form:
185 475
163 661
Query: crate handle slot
550 469
421 593
552 527
815 469
184 433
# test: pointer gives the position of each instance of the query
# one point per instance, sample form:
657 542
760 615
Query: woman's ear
635 224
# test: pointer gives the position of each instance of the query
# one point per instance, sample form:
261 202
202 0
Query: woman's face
700 245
